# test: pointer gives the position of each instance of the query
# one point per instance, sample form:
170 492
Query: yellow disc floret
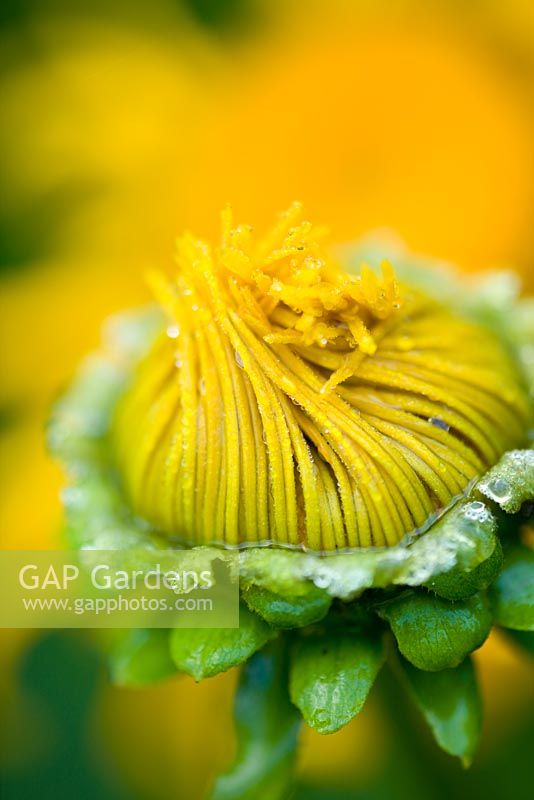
290 402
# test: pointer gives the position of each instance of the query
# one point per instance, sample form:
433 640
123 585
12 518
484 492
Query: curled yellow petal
290 402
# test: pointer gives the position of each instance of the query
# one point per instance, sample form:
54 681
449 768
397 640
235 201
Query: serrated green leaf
267 727
331 675
289 612
512 594
433 633
510 482
204 652
458 585
450 702
141 657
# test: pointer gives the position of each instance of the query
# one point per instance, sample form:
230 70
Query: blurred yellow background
123 123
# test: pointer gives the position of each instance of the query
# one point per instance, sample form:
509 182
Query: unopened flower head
291 402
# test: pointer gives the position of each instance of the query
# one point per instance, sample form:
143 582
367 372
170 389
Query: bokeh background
124 122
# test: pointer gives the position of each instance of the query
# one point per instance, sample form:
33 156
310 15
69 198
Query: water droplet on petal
438 422
173 331
239 360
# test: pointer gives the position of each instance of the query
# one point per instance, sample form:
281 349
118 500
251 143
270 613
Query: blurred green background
123 123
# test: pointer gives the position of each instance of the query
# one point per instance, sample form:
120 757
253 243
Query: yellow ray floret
293 403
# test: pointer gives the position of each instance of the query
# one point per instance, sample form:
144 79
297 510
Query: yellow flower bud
293 403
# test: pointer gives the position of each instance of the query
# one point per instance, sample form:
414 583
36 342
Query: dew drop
239 360
173 331
438 422
499 490
476 511
178 362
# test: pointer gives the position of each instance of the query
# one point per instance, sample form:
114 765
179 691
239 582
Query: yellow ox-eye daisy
359 432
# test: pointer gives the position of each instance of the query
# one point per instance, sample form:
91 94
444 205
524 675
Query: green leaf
458 585
141 657
433 633
294 611
510 482
204 652
512 594
450 703
331 675
267 727
524 639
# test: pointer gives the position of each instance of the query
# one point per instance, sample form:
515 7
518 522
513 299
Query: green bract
140 657
204 652
314 628
435 634
450 702
513 591
332 673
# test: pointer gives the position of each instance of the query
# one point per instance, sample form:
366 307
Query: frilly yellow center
291 403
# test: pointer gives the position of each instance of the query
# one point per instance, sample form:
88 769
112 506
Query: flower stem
267 728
